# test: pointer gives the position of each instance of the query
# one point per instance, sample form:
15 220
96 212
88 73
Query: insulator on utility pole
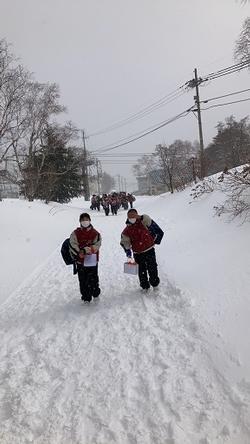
197 102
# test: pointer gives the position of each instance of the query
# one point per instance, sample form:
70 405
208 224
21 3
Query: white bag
90 260
131 268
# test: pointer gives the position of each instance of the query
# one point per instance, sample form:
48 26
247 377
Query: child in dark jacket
85 242
140 236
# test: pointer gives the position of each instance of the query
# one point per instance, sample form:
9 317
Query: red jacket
140 237
86 237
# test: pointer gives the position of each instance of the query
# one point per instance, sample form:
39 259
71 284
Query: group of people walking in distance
112 202
138 240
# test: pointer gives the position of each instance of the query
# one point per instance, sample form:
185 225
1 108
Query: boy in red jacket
140 235
85 242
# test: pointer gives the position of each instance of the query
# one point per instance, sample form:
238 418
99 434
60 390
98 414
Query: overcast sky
111 58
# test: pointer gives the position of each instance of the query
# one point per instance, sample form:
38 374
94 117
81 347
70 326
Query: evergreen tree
59 172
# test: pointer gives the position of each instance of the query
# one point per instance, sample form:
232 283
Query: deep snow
169 367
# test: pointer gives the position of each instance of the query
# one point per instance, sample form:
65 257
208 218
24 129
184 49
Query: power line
162 102
228 67
220 73
229 70
227 103
105 155
167 122
125 139
121 162
168 98
225 95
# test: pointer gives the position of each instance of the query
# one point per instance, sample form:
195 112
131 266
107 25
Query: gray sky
111 58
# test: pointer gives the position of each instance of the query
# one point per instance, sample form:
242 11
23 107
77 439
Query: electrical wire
223 104
167 122
229 68
107 155
225 95
226 71
125 139
162 102
168 98
220 73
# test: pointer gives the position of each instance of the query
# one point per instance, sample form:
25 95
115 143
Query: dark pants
114 209
148 273
89 282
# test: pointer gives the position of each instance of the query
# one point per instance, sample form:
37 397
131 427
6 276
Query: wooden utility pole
99 174
119 182
122 183
85 177
197 102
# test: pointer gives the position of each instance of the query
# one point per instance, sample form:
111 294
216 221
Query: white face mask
85 223
132 221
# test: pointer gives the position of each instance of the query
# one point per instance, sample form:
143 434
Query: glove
129 254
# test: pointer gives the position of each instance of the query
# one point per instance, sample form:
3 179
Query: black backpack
156 232
65 253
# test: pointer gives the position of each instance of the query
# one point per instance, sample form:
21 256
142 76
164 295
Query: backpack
66 254
156 232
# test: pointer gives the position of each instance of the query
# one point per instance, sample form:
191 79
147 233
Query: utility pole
122 183
119 182
99 174
85 177
197 102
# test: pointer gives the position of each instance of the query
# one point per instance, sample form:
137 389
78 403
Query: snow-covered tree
230 147
58 177
242 45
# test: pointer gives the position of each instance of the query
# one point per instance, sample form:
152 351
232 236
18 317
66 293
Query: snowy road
131 369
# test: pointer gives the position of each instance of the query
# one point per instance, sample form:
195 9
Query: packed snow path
131 369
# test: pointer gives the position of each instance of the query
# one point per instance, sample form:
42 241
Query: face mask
132 221
85 223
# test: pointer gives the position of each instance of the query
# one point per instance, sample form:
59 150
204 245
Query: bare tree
13 85
236 185
242 45
244 2
108 182
145 164
175 161
167 163
41 105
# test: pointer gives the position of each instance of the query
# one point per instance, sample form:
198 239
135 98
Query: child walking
140 236
85 242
